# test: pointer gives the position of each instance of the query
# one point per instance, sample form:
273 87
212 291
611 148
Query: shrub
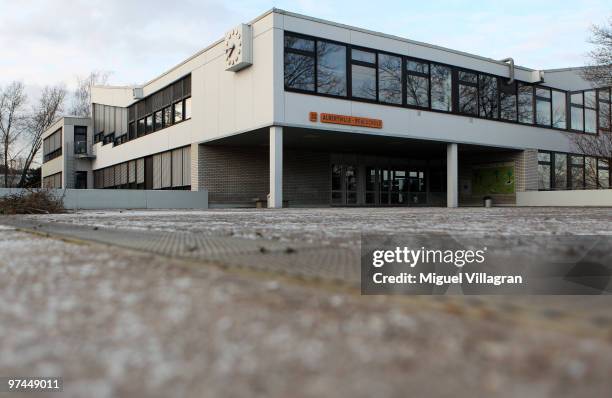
40 201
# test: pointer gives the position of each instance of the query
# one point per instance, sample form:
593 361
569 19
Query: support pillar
275 198
452 175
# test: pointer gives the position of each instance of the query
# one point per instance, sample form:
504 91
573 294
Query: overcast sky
49 41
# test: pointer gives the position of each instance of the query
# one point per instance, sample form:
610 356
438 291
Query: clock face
237 45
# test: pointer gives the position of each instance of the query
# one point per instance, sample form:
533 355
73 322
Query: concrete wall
601 197
127 199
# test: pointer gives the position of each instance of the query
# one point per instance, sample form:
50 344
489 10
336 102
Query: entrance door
344 185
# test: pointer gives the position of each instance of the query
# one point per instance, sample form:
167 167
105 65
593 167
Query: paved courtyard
115 321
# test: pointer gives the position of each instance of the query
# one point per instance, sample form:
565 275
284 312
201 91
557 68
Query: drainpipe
510 62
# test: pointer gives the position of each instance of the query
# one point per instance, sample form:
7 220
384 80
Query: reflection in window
560 179
590 172
167 116
149 124
363 82
487 88
441 87
559 118
299 63
507 101
590 113
158 120
577 180
604 110
389 79
417 83
187 108
331 68
544 163
178 112
603 173
141 127
468 93
80 139
543 106
298 43
525 105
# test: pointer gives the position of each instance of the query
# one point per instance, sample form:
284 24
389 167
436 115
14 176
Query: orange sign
351 120
313 116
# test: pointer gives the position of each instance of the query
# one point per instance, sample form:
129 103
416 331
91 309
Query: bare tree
599 70
12 104
43 115
81 105
599 73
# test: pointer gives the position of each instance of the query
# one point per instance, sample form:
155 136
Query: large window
80 140
583 113
80 180
441 88
603 173
604 110
363 74
559 109
560 171
331 69
389 78
525 103
544 170
53 181
467 88
507 101
52 146
299 63
590 172
417 83
543 106
577 171
487 91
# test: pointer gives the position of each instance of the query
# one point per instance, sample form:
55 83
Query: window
80 140
167 116
604 110
132 130
583 111
525 103
543 106
80 180
54 181
441 88
590 112
577 180
299 63
363 74
389 79
187 108
52 146
560 171
507 100
331 69
559 105
544 163
590 172
487 96
149 124
178 112
603 173
141 127
468 92
158 122
417 83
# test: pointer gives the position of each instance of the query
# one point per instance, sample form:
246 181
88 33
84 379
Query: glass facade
560 171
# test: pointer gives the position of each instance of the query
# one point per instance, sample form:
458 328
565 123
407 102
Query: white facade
226 104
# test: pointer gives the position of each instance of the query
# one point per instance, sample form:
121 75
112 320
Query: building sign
351 120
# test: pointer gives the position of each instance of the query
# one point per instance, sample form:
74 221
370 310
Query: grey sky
46 42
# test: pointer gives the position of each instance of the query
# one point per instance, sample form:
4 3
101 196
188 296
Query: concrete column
452 175
275 199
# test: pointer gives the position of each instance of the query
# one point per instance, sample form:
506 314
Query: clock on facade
238 48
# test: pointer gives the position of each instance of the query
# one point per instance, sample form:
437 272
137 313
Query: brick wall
238 175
